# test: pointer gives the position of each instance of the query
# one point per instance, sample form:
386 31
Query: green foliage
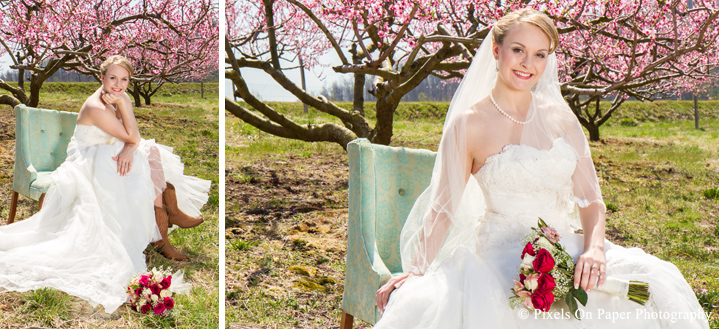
46 306
712 193
240 245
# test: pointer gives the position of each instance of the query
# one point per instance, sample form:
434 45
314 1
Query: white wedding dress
88 239
470 288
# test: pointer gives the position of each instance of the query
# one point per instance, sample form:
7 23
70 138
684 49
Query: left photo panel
109 164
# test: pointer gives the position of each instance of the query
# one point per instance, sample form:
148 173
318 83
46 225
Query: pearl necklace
509 116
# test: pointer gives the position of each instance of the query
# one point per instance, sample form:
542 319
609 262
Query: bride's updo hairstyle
526 15
116 60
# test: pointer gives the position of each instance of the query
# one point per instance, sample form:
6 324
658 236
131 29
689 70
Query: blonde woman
114 194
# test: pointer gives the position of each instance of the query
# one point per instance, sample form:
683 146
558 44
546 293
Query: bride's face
522 56
115 80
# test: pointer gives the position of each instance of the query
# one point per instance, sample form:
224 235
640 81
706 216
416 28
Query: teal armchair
384 182
41 138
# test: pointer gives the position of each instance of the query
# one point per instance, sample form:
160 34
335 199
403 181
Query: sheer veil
446 214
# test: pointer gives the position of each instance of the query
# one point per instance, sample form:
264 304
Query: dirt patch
286 230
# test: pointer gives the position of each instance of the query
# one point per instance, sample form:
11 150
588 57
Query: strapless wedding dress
88 239
471 288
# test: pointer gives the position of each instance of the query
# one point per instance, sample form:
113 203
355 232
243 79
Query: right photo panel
471 164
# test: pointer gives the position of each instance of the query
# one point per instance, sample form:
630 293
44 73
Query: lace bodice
87 135
521 183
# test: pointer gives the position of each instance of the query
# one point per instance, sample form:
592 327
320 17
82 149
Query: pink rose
146 308
166 282
169 303
546 283
144 280
528 249
542 300
544 262
159 308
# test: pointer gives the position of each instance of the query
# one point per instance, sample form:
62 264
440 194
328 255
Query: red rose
159 309
169 303
544 261
146 308
546 283
165 283
522 277
542 300
528 249
138 292
155 289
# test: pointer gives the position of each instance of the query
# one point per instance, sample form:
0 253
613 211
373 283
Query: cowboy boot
163 246
177 217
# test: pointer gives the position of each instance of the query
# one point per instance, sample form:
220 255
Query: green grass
659 178
46 306
179 119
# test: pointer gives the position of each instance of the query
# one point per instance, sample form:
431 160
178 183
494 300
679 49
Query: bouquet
546 274
151 292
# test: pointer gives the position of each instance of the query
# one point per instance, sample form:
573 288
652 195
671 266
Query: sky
265 88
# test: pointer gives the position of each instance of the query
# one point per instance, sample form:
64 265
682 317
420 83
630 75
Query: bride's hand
590 270
384 291
109 98
124 159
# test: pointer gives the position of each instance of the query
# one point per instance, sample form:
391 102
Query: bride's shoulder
479 114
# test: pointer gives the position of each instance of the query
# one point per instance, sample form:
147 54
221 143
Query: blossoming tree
616 49
167 39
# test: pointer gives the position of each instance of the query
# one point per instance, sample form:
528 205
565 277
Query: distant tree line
432 89
71 76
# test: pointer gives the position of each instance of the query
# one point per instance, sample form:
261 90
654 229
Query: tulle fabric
88 239
471 287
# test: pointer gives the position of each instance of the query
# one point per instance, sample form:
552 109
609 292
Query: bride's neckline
507 147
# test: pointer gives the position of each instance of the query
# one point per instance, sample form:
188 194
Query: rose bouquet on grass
151 292
546 274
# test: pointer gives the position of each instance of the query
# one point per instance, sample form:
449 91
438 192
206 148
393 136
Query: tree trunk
34 93
593 129
147 99
696 113
136 96
20 79
385 118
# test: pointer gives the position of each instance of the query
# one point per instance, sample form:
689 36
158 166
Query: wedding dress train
88 239
470 288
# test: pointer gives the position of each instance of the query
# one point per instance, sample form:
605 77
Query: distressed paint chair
384 182
41 138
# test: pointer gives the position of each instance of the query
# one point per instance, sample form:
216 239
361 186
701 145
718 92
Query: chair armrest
365 270
25 172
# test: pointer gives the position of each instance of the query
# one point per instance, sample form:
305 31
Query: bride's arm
126 131
590 270
105 118
593 225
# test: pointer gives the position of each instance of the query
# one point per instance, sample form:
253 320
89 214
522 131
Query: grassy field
286 206
178 118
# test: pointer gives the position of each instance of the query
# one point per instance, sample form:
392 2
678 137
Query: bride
114 194
512 151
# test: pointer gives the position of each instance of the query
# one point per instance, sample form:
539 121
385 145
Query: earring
496 66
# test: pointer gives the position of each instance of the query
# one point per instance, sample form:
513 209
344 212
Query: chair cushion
42 183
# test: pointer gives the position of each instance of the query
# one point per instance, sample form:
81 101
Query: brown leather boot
177 217
163 246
